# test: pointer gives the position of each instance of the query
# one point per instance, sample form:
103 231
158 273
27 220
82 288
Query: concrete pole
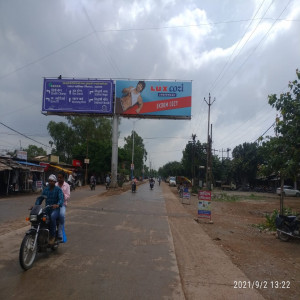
114 155
132 157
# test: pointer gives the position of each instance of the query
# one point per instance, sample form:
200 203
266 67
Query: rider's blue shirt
54 196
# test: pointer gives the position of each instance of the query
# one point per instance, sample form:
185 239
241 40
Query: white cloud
49 38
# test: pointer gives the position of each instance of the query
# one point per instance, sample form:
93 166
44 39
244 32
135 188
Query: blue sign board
78 96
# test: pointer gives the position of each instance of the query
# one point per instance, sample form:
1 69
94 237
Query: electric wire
22 134
108 57
236 47
120 30
263 39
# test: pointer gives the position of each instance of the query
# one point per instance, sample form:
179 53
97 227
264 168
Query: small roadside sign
204 204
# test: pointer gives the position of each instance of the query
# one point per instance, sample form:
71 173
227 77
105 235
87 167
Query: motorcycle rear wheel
27 252
282 236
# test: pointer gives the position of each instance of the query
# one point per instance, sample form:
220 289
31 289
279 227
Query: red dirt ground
258 253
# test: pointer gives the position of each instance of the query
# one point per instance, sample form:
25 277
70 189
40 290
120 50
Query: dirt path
206 271
258 254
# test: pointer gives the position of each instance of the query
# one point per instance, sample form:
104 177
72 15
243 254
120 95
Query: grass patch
223 197
254 197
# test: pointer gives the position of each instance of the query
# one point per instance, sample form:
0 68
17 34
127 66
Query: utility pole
193 158
209 140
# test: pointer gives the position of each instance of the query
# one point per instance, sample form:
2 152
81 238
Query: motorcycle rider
93 182
55 197
133 184
62 211
152 181
107 180
71 180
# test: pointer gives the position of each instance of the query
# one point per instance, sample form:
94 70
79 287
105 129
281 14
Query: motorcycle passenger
55 197
62 211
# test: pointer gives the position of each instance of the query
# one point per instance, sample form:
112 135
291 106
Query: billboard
153 99
68 96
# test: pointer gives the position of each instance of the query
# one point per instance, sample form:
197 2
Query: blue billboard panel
78 96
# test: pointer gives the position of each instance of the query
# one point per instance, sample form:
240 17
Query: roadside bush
270 219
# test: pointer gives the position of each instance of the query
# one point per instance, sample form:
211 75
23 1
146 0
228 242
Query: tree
173 168
287 130
245 163
193 156
284 148
83 137
33 151
63 138
140 153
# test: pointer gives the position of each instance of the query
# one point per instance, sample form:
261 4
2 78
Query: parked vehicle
172 181
288 191
183 180
36 239
230 186
287 227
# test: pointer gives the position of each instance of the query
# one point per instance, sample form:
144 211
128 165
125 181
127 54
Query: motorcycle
133 187
107 185
36 239
93 186
151 185
287 227
72 186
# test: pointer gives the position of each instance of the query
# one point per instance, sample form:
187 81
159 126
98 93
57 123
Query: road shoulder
206 272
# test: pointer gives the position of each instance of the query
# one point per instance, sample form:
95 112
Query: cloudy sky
239 51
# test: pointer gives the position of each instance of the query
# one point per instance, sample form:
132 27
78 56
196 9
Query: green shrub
270 219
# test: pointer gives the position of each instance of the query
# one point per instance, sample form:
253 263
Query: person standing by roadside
66 191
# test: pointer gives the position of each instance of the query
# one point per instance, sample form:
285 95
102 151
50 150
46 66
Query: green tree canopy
33 151
286 145
83 137
245 162
140 153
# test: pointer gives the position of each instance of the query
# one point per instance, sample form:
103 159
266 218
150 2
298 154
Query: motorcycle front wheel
27 252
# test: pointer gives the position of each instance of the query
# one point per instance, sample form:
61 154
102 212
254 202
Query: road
119 247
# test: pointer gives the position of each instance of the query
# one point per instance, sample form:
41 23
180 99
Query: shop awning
12 164
33 167
4 167
60 168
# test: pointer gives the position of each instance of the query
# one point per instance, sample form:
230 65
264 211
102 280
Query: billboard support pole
114 155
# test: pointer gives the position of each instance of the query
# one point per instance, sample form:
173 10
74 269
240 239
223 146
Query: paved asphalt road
119 247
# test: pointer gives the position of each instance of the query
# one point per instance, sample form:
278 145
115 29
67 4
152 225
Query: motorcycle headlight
33 218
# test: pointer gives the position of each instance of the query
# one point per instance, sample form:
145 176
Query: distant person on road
62 211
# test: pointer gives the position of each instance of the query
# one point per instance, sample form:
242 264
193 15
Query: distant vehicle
172 181
230 186
288 191
183 180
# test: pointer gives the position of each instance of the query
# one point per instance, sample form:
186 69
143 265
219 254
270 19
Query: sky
238 52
